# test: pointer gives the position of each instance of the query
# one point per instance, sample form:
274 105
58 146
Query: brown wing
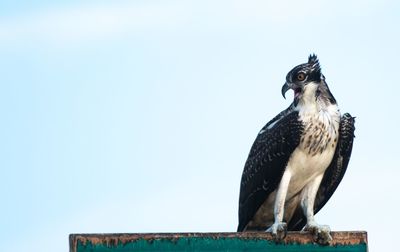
266 162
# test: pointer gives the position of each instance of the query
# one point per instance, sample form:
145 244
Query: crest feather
312 59
314 63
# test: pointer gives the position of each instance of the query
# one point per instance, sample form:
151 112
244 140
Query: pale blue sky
138 116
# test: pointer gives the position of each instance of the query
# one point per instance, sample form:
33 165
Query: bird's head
301 76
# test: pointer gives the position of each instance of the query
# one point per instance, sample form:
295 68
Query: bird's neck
317 103
315 97
309 96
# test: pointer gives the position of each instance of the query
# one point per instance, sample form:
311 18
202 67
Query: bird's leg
321 233
279 228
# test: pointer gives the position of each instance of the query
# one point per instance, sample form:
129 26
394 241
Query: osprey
297 160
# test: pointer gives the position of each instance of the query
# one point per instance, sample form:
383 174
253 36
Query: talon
321 233
324 236
278 230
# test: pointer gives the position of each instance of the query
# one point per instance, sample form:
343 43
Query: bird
297 160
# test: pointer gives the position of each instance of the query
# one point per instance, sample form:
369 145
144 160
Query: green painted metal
355 242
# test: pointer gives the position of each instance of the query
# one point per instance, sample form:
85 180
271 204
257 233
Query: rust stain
112 240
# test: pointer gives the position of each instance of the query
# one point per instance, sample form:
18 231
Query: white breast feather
317 146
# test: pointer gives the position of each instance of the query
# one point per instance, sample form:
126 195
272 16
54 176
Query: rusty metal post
248 241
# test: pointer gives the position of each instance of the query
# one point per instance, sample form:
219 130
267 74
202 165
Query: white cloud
83 23
283 11
90 22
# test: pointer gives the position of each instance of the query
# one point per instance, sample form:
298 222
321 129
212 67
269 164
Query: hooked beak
285 88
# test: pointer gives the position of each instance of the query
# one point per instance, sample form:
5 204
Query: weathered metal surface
247 241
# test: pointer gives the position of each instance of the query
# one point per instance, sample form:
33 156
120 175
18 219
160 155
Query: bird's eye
301 76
